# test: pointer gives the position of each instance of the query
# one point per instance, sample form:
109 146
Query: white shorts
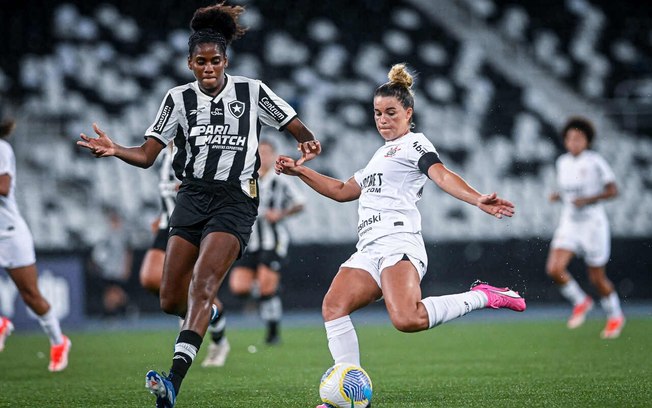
387 251
588 238
17 246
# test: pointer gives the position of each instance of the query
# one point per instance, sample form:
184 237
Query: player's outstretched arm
455 185
308 145
102 146
327 186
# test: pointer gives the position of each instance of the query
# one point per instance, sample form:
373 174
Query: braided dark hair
216 24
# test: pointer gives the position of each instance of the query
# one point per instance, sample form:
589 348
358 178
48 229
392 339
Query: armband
428 160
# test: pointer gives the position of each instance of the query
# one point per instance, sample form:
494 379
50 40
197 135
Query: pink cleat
498 298
6 327
580 311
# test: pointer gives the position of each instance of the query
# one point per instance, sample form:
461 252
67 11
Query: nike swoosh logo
509 293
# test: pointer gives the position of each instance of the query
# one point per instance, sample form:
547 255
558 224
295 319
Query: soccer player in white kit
584 180
18 258
391 258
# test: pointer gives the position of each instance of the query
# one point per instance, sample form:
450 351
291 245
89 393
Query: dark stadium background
26 28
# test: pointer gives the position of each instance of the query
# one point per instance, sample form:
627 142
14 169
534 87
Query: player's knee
332 308
554 269
406 322
149 283
170 305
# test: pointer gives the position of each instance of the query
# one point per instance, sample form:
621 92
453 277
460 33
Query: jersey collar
228 83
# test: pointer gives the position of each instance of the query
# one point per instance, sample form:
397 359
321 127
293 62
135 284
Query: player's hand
496 206
309 150
286 165
553 197
273 216
100 146
582 202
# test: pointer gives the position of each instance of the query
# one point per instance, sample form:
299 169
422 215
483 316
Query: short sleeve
293 195
422 154
606 173
164 127
272 110
6 159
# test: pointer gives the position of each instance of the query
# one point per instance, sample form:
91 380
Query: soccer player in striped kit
391 257
18 258
151 269
215 122
261 263
584 179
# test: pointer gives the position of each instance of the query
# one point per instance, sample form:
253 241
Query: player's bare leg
609 301
556 268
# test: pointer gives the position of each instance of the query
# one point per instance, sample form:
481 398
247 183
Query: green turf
519 364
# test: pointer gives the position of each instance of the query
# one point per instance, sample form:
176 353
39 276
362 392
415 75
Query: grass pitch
471 364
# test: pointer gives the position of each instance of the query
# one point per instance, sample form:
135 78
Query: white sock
572 292
343 340
218 326
442 309
271 308
50 325
611 305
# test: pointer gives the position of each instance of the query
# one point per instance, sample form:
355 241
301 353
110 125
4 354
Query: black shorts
204 207
161 239
270 259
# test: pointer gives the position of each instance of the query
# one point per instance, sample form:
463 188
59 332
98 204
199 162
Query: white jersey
9 213
16 243
217 136
582 176
276 193
391 185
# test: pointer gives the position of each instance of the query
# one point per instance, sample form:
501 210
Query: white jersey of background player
584 180
583 230
17 257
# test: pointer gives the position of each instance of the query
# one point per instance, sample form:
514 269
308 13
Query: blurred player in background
151 270
18 258
391 257
215 122
110 262
584 180
268 245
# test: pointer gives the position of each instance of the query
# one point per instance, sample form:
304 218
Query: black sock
272 329
218 328
185 350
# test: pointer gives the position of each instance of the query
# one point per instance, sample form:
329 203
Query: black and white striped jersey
168 186
277 193
217 137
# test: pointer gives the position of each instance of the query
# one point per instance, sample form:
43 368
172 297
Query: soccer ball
345 385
